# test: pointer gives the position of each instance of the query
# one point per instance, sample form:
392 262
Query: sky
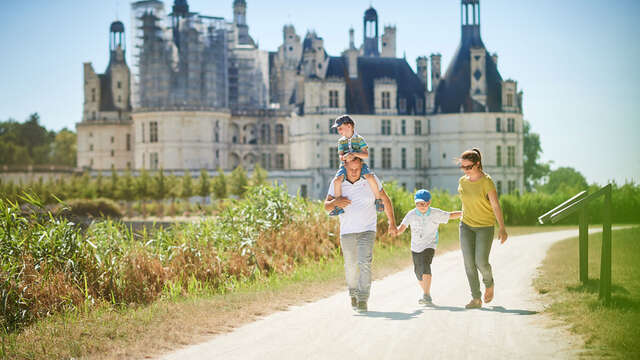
576 61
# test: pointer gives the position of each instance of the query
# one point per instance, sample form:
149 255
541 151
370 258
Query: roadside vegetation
608 330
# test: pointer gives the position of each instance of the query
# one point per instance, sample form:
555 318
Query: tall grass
50 265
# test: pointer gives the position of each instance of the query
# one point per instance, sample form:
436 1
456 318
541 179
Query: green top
476 208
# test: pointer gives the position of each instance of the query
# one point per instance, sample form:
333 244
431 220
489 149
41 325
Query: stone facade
204 96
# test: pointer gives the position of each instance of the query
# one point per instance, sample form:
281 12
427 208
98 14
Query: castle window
386 100
333 99
334 160
279 134
499 187
265 161
403 127
402 103
509 99
113 139
428 126
512 186
153 131
128 142
113 153
153 161
119 86
91 162
265 134
90 147
511 125
418 127
385 127
143 141
119 98
498 155
372 158
93 95
128 164
386 158
419 106
418 159
511 156
498 125
279 161
93 115
403 158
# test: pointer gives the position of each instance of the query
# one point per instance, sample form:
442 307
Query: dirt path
396 327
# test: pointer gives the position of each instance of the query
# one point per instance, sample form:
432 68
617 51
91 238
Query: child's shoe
379 205
336 211
425 300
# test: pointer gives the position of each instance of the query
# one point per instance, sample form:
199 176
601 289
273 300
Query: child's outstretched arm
455 215
362 154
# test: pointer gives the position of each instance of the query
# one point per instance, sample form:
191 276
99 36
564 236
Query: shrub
98 208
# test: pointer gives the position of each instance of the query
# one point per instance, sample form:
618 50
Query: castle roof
360 91
453 92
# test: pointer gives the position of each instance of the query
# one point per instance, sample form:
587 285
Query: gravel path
396 327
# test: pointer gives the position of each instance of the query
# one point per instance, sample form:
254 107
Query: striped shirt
355 143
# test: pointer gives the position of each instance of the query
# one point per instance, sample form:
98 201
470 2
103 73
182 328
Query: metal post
605 261
583 246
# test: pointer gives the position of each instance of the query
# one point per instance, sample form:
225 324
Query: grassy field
105 332
609 331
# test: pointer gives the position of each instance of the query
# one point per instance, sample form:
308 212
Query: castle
202 95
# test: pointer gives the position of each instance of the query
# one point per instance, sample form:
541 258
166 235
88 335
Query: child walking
352 145
424 221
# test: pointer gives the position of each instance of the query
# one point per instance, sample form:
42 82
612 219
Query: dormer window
386 100
119 85
509 99
402 103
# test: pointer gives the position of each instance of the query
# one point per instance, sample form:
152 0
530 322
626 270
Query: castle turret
180 11
389 42
436 72
371 32
240 21
421 66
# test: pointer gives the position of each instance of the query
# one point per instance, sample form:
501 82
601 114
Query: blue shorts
364 171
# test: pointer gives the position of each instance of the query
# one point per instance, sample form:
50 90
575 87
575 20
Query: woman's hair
472 155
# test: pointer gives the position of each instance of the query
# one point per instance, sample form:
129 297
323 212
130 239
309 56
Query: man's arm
330 202
388 210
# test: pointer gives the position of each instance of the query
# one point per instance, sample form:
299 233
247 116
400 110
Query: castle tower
389 42
118 73
421 66
435 71
371 32
240 21
180 11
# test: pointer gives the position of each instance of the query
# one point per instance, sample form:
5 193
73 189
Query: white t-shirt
360 215
424 227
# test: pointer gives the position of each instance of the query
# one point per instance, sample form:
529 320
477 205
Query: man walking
358 229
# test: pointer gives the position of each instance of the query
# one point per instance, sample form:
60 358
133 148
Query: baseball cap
344 119
422 195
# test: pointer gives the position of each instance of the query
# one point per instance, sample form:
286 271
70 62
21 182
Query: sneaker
354 302
379 205
474 304
336 211
426 300
362 306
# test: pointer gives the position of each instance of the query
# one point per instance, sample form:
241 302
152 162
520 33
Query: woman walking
480 210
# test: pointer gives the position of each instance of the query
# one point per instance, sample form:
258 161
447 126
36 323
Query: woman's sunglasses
468 167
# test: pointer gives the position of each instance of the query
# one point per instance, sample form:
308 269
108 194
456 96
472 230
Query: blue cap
422 195
344 119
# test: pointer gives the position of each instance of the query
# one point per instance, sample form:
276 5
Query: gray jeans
357 251
475 243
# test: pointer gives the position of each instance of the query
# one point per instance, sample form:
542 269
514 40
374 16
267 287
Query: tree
564 179
204 186
187 186
64 148
259 176
219 186
534 170
143 185
160 185
126 186
238 181
113 186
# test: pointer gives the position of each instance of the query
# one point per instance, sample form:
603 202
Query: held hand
502 235
342 202
348 157
393 232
